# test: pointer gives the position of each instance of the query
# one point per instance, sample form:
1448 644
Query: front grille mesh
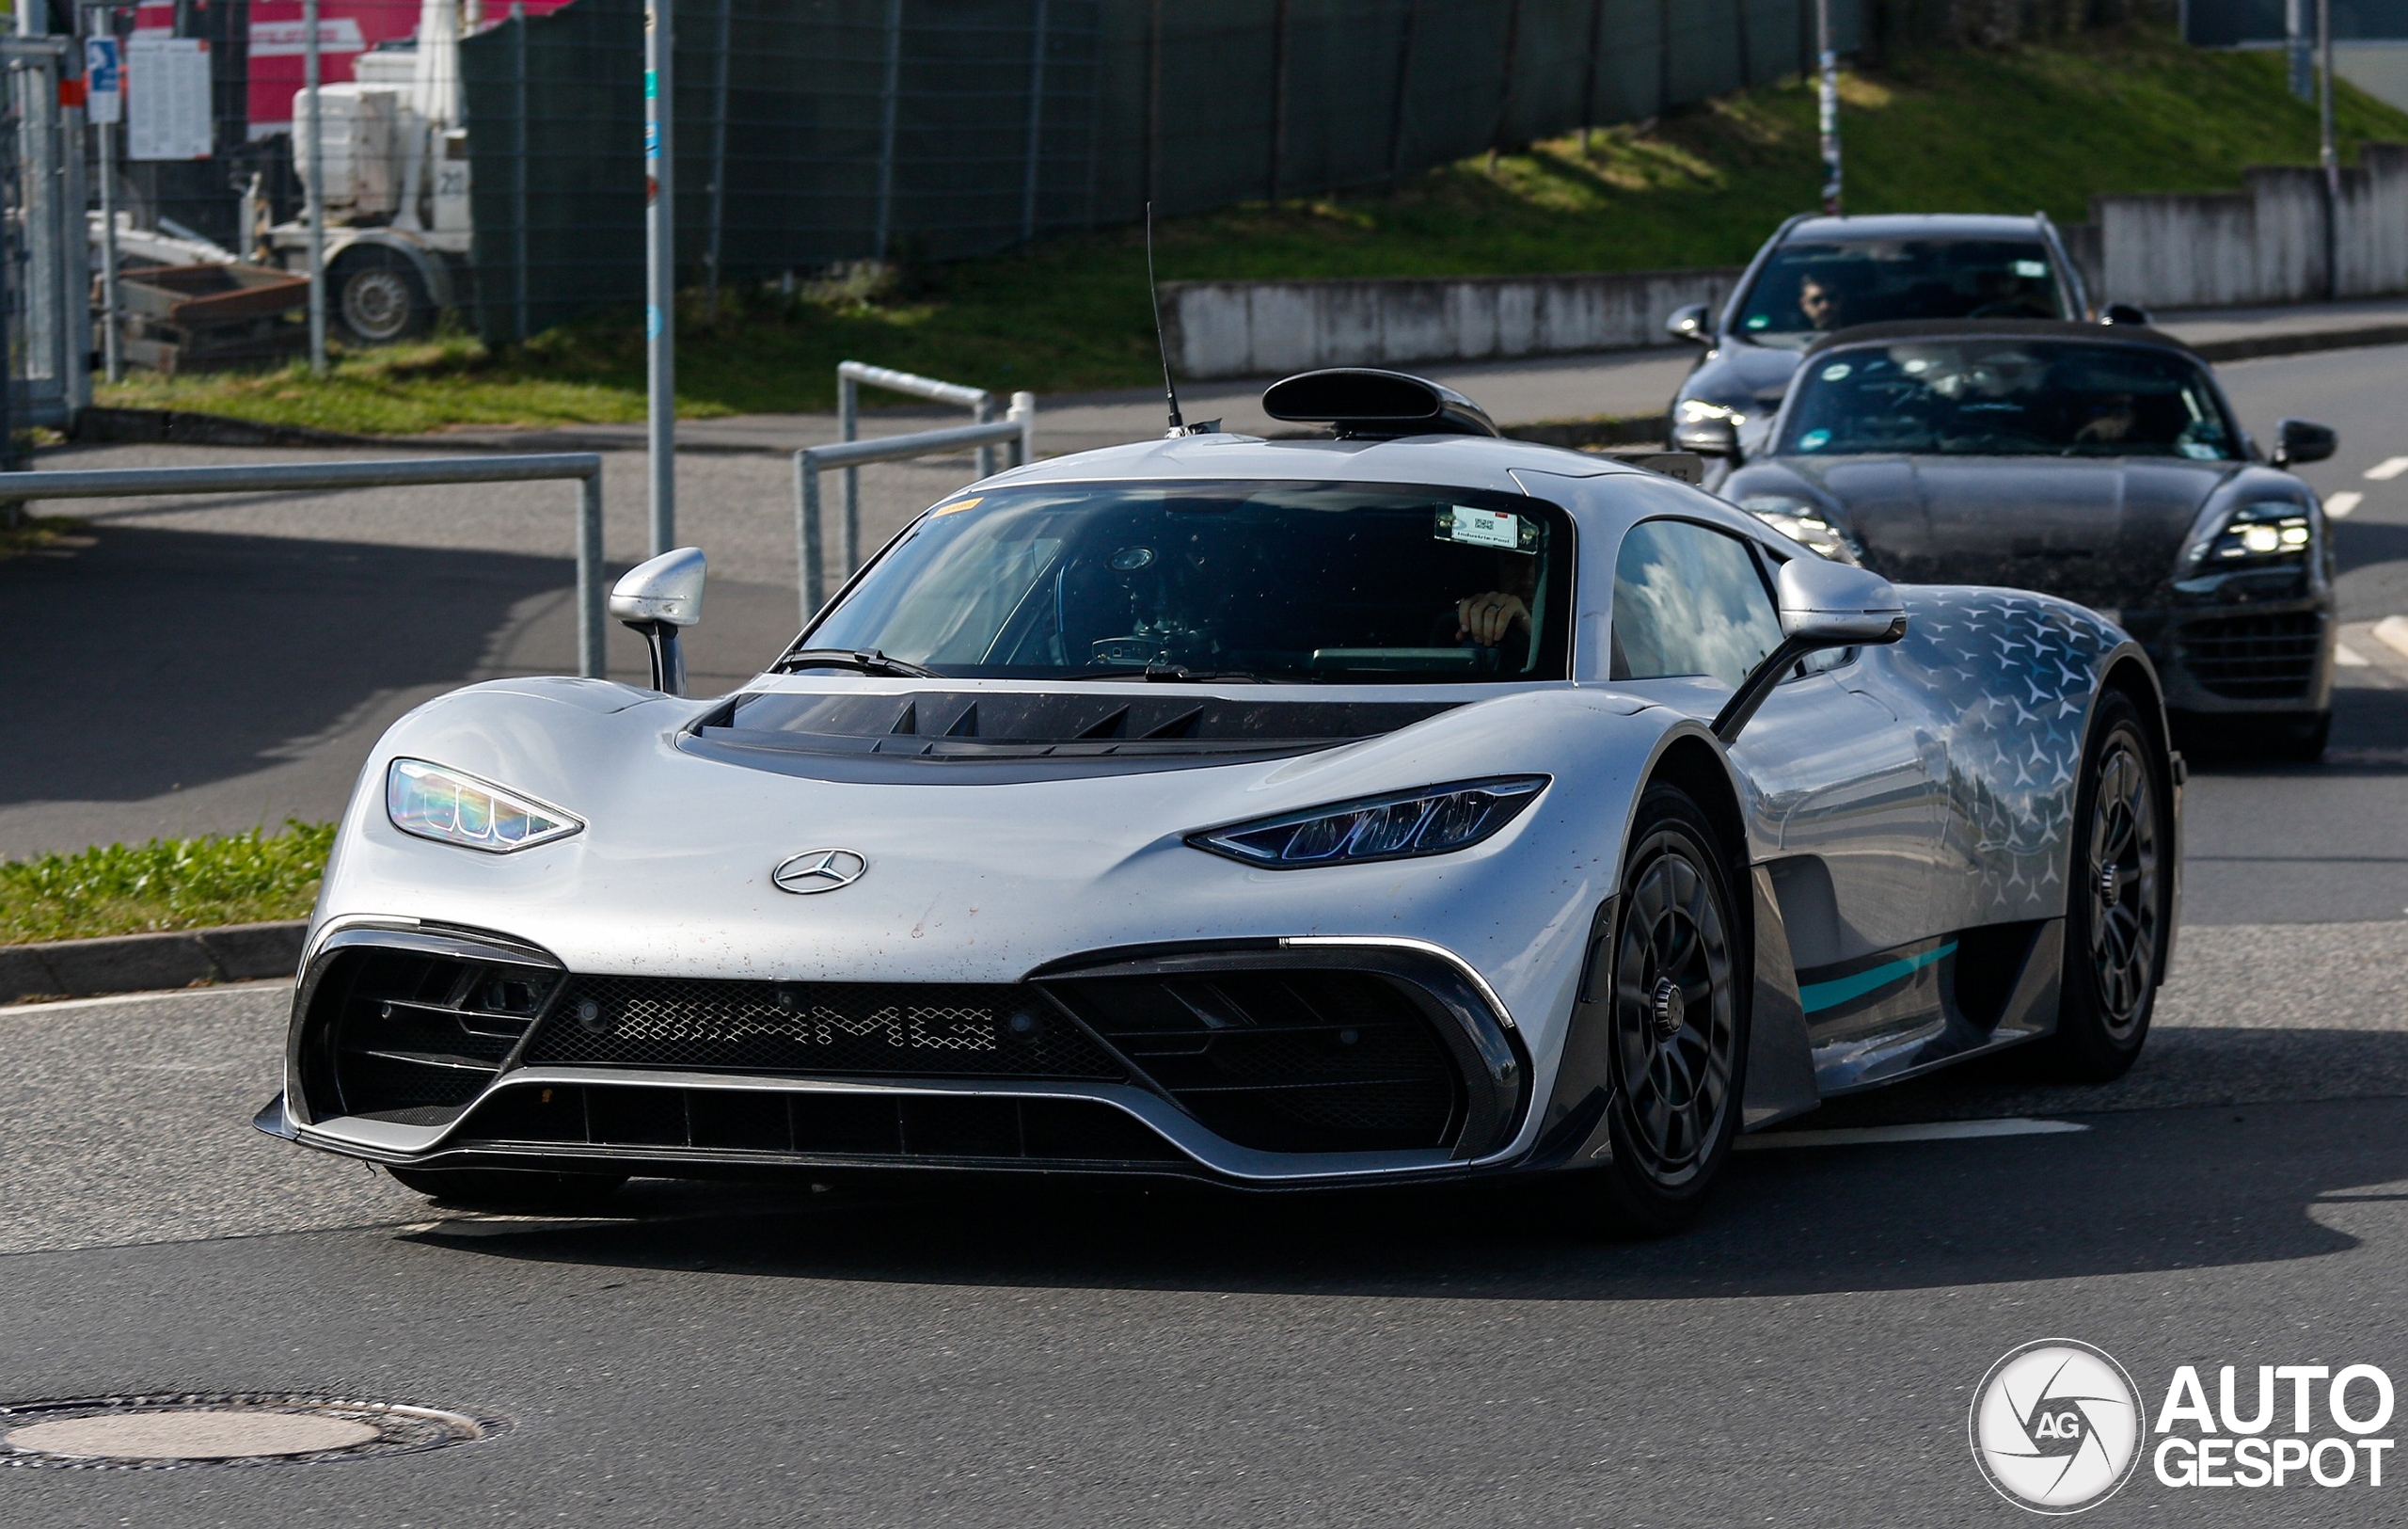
2255 657
887 1030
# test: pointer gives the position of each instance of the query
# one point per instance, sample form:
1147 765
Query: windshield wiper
1176 674
868 660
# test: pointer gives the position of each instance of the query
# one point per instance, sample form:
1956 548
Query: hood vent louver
1361 403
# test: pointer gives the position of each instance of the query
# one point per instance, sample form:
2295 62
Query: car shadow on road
2206 1184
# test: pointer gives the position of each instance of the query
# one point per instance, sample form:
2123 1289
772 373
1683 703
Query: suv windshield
1810 288
2005 397
1276 581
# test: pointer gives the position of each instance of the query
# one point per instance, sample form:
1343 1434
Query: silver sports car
1406 803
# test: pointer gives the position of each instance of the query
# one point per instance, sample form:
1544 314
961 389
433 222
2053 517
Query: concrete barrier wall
1258 328
2262 245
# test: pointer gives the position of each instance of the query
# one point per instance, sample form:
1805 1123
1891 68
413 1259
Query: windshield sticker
1757 321
1836 371
1813 441
2199 451
959 505
1487 527
2033 268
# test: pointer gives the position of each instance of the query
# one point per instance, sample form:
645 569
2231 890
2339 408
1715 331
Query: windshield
1810 288
2005 397
1273 580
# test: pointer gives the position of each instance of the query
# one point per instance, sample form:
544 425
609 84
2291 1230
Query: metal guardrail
849 377
1016 430
585 468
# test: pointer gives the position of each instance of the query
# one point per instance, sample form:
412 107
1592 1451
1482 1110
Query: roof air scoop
1362 403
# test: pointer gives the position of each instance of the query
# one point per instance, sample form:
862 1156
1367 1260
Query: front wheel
1679 1018
379 297
2118 905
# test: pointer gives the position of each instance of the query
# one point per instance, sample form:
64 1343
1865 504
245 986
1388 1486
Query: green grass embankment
164 885
2045 128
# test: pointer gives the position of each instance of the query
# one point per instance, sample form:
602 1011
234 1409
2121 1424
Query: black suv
1817 275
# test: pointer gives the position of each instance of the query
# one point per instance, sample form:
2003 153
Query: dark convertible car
2103 465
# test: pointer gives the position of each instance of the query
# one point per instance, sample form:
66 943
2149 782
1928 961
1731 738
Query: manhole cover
154 1433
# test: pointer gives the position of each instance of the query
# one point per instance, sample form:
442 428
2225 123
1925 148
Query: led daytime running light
448 807
1440 819
2257 536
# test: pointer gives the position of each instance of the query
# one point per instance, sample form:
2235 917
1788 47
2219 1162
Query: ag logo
818 870
2057 1427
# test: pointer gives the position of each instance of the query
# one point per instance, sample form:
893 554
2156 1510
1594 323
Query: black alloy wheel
511 1189
1679 1017
2118 907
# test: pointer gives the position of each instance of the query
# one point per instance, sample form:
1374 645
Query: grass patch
1961 130
164 884
32 533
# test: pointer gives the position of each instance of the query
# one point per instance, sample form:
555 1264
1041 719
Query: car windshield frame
1005 585
1772 313
1978 392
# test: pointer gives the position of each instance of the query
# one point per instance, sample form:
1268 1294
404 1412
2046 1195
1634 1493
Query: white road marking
12 1010
1867 1136
2349 657
2337 507
2386 470
2392 632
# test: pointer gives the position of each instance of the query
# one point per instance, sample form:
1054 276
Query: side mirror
2298 442
1707 438
1690 324
1822 605
2123 314
657 600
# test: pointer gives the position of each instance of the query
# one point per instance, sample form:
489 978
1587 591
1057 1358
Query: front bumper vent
415 1035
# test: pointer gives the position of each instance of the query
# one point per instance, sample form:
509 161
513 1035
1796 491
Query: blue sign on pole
104 80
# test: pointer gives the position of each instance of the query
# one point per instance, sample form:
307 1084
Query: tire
2119 900
1677 1049
509 1188
377 297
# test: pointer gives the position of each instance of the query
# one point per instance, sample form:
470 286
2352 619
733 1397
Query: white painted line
2392 632
1868 1136
10 1011
2386 470
2349 657
2337 506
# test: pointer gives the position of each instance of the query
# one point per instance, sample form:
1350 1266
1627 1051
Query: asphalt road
970 1354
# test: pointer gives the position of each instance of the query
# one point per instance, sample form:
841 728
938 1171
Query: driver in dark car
1487 618
1819 300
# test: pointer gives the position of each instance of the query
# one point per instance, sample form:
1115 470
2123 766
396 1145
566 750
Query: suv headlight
449 807
1800 521
2274 534
1438 820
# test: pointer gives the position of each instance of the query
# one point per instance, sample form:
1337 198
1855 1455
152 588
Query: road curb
147 962
2251 347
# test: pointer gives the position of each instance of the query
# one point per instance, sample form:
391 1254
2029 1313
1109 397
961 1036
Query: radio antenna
1170 390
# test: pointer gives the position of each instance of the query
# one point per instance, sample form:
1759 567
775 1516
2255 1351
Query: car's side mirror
1822 605
1690 324
2123 314
658 598
2300 441
1707 438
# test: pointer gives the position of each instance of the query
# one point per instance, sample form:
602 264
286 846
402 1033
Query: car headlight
1438 820
2274 534
1801 522
452 809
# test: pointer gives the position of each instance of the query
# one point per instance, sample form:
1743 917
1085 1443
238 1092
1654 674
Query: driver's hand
1485 618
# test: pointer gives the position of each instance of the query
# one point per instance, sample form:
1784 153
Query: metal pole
111 359
887 94
590 662
1024 410
1403 82
1279 100
718 165
1505 85
75 263
1829 107
12 104
848 427
2298 52
1589 74
2326 154
1036 127
316 208
661 269
806 531
518 181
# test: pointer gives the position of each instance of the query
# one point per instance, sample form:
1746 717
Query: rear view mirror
2124 314
1822 605
1690 324
2298 441
1707 438
657 600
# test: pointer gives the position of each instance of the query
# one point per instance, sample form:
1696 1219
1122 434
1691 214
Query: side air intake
1363 402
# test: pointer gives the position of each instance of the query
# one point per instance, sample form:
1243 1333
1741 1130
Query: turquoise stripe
1817 996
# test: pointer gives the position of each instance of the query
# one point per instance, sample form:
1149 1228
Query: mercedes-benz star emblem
818 870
